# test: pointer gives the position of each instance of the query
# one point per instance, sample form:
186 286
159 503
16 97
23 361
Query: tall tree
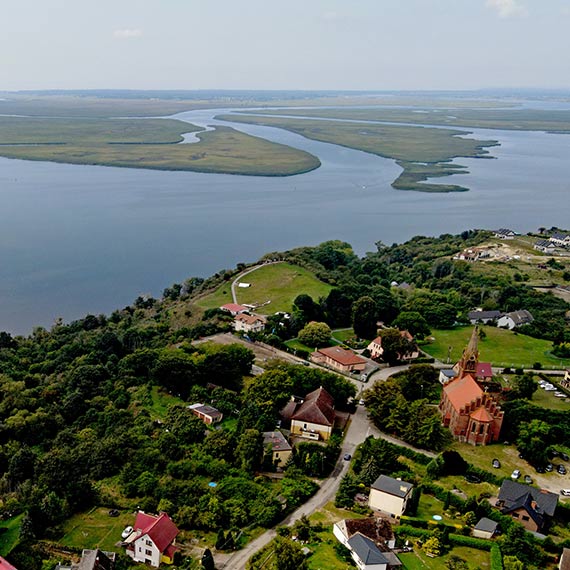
365 317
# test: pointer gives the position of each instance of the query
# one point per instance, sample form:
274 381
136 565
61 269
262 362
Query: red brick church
472 415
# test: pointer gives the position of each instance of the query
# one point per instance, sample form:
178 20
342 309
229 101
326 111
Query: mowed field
278 283
500 347
422 152
148 143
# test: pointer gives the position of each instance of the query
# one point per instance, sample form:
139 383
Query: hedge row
413 455
496 558
407 530
478 543
485 475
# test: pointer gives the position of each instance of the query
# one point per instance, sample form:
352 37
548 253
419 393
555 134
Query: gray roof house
366 554
390 495
483 316
532 507
485 528
515 319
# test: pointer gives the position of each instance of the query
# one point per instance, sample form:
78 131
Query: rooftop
342 356
366 550
392 486
462 391
277 441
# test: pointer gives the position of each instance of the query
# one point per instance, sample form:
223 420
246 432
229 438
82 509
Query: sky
284 44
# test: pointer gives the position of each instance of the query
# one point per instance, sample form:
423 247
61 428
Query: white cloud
507 8
127 33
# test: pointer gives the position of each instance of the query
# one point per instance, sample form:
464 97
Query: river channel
80 239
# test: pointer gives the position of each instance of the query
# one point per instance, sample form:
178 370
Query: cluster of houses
510 320
244 319
553 242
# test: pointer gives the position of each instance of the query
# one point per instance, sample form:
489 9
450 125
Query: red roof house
312 418
339 359
233 308
152 540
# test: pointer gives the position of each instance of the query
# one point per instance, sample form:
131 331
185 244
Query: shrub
496 558
478 543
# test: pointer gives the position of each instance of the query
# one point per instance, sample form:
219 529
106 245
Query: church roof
481 415
473 346
462 391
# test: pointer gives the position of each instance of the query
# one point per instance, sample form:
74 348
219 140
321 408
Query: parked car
565 492
496 463
361 402
528 479
561 469
539 469
113 513
347 457
549 468
564 456
516 474
127 532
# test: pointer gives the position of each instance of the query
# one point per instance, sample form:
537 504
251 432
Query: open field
9 538
500 347
280 283
148 143
422 152
507 119
417 560
95 529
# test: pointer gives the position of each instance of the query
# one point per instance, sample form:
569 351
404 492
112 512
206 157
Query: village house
208 414
90 560
504 233
446 375
515 319
152 540
339 359
565 382
312 418
390 496
471 414
545 245
473 254
530 506
366 555
234 309
280 448
376 350
249 323
560 239
477 316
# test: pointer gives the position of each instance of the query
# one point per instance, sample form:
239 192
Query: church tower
470 358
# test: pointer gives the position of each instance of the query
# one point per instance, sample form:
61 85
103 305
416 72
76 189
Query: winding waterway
79 239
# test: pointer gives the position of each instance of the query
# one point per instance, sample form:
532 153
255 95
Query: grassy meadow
10 536
500 347
422 152
148 143
503 119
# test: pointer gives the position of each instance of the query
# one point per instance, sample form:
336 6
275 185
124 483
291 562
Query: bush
407 530
478 543
496 558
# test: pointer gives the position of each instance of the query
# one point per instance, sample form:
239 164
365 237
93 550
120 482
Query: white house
560 239
152 540
234 309
484 317
545 245
515 319
249 323
504 233
390 495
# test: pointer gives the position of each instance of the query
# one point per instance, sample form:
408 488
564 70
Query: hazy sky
284 44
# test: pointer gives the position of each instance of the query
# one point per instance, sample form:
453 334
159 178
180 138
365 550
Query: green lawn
548 400
323 555
9 538
148 143
342 335
96 529
500 347
430 506
417 560
280 283
221 296
295 344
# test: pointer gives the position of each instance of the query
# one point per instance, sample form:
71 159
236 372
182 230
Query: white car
127 532
515 474
565 492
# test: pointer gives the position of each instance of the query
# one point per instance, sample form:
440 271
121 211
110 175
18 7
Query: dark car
496 463
561 469
564 457
549 468
347 457
113 513
528 479
539 469
470 478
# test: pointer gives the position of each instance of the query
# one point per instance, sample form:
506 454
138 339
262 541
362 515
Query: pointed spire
473 346
470 358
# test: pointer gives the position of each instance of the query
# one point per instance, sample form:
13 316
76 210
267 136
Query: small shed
485 528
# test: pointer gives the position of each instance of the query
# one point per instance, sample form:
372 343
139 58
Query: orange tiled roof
462 391
343 357
481 415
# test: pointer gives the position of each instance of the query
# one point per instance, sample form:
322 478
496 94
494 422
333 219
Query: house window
140 548
525 518
148 552
148 542
515 515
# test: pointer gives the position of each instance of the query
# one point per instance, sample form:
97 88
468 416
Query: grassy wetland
553 121
422 152
148 143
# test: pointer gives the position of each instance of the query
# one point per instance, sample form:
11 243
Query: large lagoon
80 239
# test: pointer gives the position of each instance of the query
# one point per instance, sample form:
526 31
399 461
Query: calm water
79 239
